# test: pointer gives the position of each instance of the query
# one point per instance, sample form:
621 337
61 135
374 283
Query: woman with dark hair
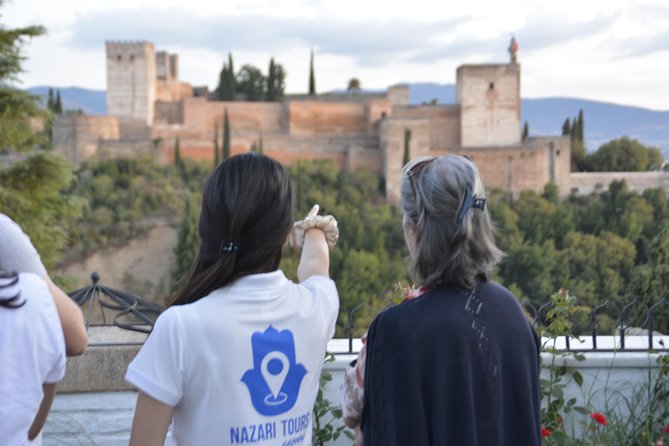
32 352
459 364
237 357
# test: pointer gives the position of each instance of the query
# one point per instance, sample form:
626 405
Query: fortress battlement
150 108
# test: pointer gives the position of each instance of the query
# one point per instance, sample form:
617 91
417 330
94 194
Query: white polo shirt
241 365
32 351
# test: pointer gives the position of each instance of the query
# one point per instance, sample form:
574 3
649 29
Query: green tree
177 153
312 77
624 155
526 131
188 240
251 83
33 192
578 155
230 79
58 105
226 135
50 102
566 127
226 88
17 106
353 85
276 82
270 92
650 283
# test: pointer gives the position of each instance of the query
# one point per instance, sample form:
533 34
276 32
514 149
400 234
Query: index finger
314 211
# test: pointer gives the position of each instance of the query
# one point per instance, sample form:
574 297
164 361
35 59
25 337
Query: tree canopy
624 155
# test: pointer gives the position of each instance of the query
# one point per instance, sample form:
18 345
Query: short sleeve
323 289
46 326
17 252
158 368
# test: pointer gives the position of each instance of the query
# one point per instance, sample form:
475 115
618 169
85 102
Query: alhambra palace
148 107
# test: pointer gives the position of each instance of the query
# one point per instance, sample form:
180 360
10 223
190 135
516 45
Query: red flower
599 418
666 428
545 432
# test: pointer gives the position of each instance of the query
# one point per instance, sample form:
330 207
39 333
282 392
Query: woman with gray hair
458 365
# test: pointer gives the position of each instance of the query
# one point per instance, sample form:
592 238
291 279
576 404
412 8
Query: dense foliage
609 247
623 155
124 197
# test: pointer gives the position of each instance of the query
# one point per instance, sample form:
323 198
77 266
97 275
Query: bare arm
71 319
152 419
49 394
315 259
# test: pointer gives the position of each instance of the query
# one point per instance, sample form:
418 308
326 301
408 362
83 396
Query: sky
609 50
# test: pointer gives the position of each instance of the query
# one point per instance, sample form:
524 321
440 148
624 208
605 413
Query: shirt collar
260 281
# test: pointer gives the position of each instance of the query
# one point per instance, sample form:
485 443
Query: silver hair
451 244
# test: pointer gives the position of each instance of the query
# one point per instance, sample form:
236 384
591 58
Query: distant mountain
603 121
92 102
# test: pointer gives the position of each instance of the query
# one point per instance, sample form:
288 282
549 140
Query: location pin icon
273 376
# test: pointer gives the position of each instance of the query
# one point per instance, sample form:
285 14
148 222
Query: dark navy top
453 367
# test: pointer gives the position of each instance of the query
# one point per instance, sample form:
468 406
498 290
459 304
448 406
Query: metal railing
137 314
625 338
131 312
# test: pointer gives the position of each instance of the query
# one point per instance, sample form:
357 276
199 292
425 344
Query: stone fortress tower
149 108
131 80
489 98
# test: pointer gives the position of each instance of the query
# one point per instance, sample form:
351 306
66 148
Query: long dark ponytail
245 219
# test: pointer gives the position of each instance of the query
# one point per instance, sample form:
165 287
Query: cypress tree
226 135
270 92
216 148
254 146
407 142
566 127
526 131
260 148
574 131
312 78
177 153
231 78
58 106
50 103
581 126
188 241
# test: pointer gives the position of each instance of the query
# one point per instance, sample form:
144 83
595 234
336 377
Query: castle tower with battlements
131 80
150 109
489 98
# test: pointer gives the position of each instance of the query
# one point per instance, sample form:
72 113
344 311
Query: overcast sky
609 50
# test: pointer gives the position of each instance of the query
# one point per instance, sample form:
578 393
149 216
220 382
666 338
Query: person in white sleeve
236 358
32 354
17 253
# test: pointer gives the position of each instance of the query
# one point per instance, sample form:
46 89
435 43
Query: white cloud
613 50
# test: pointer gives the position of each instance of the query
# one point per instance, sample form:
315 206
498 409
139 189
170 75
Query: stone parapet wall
313 118
586 183
444 122
77 136
90 415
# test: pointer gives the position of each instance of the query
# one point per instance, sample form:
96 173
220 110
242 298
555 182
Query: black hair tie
228 246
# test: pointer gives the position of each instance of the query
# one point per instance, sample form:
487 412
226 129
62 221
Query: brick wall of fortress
347 133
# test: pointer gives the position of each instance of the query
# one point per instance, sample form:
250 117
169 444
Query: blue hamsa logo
274 381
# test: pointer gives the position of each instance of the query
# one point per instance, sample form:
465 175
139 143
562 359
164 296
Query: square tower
489 98
131 80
